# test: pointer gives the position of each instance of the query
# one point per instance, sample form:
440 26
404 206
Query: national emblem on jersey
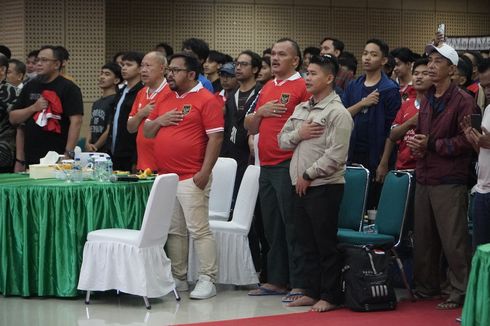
284 98
186 109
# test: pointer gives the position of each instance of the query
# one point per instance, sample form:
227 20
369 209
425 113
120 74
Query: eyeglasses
242 63
174 70
44 60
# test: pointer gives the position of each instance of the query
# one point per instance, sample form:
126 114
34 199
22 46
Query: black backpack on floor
366 279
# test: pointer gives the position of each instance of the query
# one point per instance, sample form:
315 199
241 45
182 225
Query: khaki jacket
322 158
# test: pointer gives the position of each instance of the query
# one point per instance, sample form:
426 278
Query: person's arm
20 165
213 149
399 131
73 132
135 120
382 168
19 116
366 102
102 139
269 109
171 118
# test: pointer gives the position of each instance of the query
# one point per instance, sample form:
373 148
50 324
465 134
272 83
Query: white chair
134 261
220 196
235 264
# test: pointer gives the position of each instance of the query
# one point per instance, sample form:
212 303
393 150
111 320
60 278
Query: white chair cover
220 196
235 264
134 261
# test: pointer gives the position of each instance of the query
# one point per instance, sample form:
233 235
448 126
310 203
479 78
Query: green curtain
44 225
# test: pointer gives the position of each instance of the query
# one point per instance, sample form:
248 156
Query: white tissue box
42 171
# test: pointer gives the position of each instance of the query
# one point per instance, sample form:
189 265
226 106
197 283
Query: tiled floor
109 309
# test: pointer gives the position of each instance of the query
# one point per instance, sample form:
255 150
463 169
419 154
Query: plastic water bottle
108 172
77 170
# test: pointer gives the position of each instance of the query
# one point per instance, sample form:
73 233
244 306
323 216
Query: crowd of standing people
302 116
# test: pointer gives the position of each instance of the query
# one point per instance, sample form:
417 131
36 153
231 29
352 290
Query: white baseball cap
445 50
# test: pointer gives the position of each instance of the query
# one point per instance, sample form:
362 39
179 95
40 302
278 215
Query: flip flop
290 297
262 291
448 305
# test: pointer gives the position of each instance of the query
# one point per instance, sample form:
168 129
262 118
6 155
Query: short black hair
168 49
404 54
64 52
117 55
267 51
133 56
20 67
33 53
191 62
256 60
218 57
198 46
337 44
311 50
58 53
327 62
115 68
296 49
465 68
390 64
384 48
5 51
477 55
349 60
484 65
4 61
420 62
267 60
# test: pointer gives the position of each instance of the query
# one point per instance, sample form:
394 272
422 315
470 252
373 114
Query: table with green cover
476 309
44 225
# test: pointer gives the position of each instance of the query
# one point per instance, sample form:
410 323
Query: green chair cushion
360 238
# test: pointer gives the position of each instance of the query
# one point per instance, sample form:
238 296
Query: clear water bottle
108 167
91 165
77 170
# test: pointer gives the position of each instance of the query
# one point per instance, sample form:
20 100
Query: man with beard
51 108
188 132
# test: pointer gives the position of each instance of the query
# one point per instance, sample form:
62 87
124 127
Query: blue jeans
481 219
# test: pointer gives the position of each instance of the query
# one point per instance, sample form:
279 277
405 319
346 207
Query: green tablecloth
476 310
44 225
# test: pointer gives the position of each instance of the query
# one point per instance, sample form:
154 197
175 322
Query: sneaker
181 286
204 288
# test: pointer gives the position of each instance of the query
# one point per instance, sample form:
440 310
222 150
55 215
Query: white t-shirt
483 183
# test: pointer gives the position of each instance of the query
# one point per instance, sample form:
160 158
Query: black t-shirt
242 99
217 85
102 111
37 141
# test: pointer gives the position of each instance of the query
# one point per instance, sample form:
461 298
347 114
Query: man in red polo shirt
188 130
155 90
275 104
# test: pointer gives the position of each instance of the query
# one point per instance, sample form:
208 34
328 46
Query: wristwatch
307 177
71 154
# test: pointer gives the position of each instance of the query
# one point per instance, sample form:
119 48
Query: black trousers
283 259
315 218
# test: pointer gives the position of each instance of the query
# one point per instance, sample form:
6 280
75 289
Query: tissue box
42 171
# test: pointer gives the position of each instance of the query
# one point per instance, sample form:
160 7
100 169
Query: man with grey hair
444 156
155 90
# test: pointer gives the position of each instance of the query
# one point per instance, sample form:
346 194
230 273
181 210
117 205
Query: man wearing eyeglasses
319 132
51 109
188 131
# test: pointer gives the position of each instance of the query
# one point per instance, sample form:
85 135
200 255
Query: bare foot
302 301
323 306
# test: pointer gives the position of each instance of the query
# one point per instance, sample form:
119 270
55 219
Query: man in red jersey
155 90
275 104
188 131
